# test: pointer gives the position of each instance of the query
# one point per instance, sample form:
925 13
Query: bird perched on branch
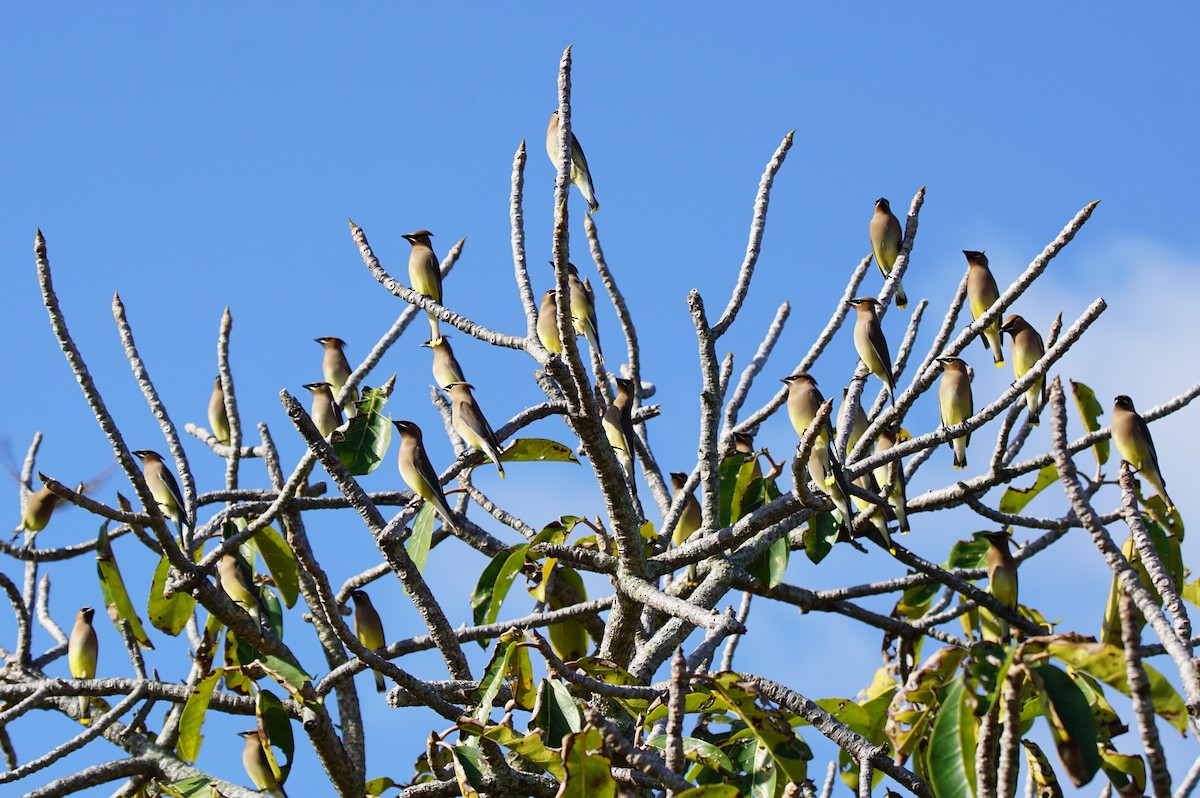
369 629
1131 434
580 176
871 345
417 472
325 411
956 403
471 425
258 768
425 274
803 404
163 487
336 370
218 417
1027 350
82 652
1002 575
886 237
982 293
445 366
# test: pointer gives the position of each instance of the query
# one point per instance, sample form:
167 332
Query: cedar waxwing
37 510
892 475
163 486
1027 349
417 472
871 345
982 293
337 370
368 629
956 403
623 404
471 425
425 273
547 323
886 237
583 310
580 175
623 401
238 583
218 419
690 520
445 366
622 446
1002 575
325 412
82 650
743 444
254 760
1131 434
804 401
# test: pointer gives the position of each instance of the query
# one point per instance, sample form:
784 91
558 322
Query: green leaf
488 596
533 450
710 791
288 675
168 615
588 775
728 471
1014 500
1126 772
192 718
555 712
1090 411
568 638
493 677
481 596
419 541
697 750
376 787
194 787
273 720
530 748
112 590
520 678
768 568
609 672
466 770
967 554
1071 722
1042 772
789 753
512 566
951 771
1107 663
273 609
764 775
280 562
362 445
819 536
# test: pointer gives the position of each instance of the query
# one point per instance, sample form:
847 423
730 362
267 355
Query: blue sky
193 160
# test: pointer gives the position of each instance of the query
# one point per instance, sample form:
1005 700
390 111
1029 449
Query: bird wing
1143 429
473 417
168 481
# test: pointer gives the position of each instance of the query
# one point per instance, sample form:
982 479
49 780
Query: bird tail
991 340
435 331
380 685
901 298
